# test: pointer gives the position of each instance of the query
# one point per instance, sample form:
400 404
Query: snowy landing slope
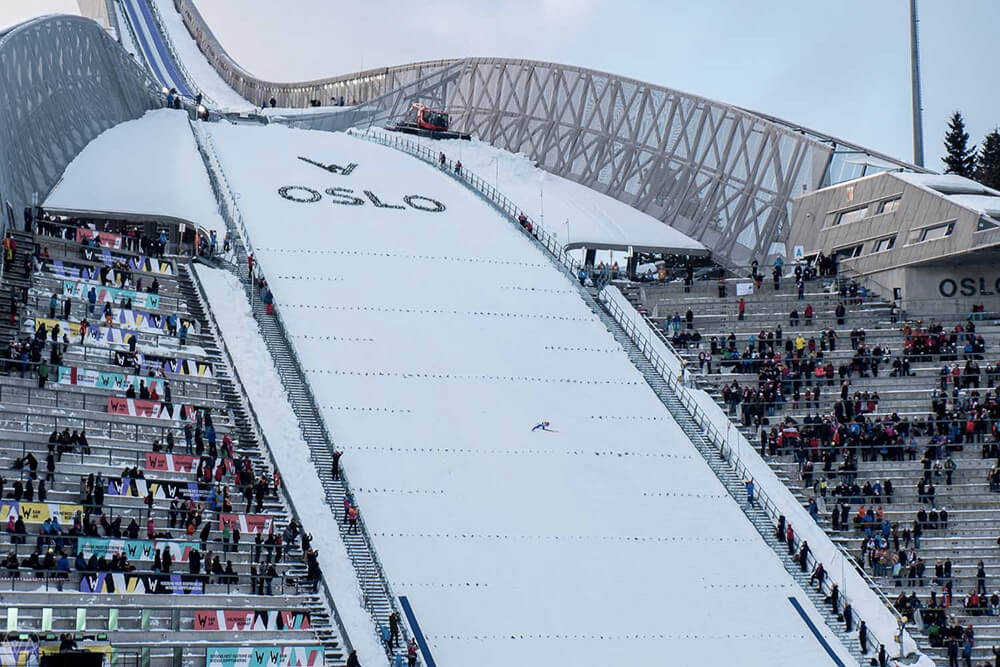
435 340
147 166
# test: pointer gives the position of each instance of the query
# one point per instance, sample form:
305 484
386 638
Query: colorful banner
128 583
95 333
79 290
87 377
270 656
171 462
248 523
140 550
177 366
146 264
39 512
250 619
135 407
8 508
140 488
19 654
103 239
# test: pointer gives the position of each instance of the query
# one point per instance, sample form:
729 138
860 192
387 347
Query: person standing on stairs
741 308
750 490
335 467
863 637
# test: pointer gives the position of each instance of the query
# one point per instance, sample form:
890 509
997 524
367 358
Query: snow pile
867 604
205 77
281 428
573 212
434 340
160 173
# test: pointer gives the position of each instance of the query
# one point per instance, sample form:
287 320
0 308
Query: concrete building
928 241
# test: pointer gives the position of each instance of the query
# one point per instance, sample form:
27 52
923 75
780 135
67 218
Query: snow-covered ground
281 428
160 173
575 213
435 341
205 77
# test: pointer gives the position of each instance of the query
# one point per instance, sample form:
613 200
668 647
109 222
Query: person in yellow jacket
800 343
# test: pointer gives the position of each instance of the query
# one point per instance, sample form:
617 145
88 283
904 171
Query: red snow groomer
426 122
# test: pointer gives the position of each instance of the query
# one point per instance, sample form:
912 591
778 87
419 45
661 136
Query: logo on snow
332 168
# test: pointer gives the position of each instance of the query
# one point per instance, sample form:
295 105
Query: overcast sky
838 67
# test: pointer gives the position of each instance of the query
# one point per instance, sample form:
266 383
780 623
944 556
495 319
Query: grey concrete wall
64 81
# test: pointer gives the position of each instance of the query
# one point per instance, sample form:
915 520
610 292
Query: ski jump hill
436 334
431 333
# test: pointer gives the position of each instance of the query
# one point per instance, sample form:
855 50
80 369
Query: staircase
378 597
15 282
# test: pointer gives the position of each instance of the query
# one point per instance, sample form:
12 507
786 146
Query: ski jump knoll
436 335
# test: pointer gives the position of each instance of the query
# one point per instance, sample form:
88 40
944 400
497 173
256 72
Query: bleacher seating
912 399
135 465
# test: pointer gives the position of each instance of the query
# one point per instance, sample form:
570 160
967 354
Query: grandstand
446 430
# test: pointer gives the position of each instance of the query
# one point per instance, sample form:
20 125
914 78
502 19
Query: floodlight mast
918 125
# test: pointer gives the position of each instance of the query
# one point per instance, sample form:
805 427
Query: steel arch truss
65 81
716 173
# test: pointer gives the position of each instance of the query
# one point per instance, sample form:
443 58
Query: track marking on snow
346 339
328 279
574 538
419 492
514 452
350 408
617 637
539 290
620 418
442 584
670 494
399 255
750 586
439 311
492 378
559 348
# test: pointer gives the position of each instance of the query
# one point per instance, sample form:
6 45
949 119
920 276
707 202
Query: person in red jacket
790 539
741 308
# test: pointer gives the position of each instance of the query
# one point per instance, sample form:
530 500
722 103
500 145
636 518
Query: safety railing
478 185
721 441
258 433
232 215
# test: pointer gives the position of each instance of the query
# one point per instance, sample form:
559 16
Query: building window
852 216
849 252
884 244
932 233
890 206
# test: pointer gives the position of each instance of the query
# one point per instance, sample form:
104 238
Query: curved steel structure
65 81
720 174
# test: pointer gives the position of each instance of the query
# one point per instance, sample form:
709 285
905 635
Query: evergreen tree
960 159
988 169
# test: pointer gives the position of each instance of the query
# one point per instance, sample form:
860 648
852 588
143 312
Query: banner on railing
171 462
21 654
177 366
128 583
134 407
140 488
270 656
88 377
95 333
744 289
247 523
141 550
79 290
102 239
250 619
39 512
